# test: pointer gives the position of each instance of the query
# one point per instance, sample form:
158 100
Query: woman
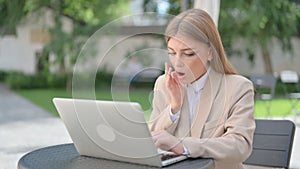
202 108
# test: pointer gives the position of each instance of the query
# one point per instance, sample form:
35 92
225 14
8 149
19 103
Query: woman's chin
184 80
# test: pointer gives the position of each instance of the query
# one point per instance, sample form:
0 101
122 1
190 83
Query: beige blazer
223 125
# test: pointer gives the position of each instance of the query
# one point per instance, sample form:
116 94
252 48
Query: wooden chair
272 144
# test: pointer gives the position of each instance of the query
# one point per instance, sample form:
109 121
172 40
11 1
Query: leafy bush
103 78
3 76
18 80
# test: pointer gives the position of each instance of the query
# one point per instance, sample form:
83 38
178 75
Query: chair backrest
288 76
272 144
264 83
290 82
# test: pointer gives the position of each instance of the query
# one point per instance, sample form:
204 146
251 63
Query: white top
194 91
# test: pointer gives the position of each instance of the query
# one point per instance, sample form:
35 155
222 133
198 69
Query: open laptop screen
108 129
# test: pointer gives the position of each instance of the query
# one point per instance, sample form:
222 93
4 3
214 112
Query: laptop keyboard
167 156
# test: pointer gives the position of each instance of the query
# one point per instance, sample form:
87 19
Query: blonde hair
197 24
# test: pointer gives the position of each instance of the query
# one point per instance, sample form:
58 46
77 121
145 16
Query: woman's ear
209 54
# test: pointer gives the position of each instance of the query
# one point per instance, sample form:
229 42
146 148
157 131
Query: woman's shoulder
237 85
160 81
238 79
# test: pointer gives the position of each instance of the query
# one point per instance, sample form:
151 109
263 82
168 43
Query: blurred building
21 52
136 36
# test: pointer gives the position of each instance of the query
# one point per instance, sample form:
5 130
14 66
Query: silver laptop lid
108 129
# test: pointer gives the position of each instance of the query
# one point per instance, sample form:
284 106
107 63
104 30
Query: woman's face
188 57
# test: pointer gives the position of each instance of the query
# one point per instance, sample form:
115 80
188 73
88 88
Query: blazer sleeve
160 117
234 142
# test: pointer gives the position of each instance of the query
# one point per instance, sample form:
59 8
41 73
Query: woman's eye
189 54
172 54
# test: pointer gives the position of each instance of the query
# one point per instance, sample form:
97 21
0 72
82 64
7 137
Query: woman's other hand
167 142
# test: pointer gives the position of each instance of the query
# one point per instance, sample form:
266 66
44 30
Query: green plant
3 75
103 78
273 20
18 80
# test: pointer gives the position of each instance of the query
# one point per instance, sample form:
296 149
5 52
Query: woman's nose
178 61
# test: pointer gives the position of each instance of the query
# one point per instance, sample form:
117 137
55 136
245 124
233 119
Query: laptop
112 130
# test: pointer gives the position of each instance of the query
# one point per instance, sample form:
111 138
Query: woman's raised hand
175 89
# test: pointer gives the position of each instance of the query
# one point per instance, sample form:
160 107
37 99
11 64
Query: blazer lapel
184 122
207 97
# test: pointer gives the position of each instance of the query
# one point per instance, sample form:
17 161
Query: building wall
114 53
19 52
16 52
281 60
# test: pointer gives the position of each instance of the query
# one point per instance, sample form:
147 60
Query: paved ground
25 127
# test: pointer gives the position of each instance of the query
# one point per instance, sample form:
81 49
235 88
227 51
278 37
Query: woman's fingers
170 70
165 141
168 73
166 68
174 87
